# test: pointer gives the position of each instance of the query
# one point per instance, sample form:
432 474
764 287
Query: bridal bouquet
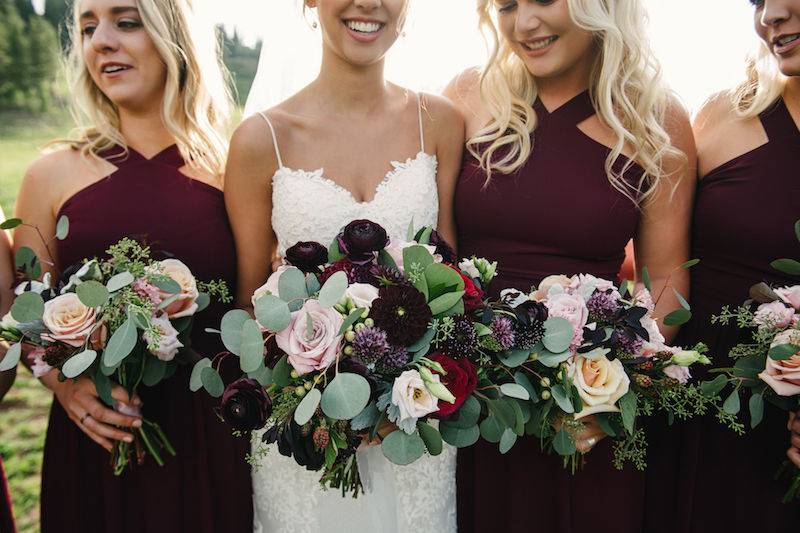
365 340
769 365
581 346
121 320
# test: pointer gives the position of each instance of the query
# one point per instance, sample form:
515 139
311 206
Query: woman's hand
588 437
80 400
794 452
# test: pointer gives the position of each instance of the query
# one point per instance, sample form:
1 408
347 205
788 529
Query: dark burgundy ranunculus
307 256
245 405
532 312
356 273
443 248
360 238
461 380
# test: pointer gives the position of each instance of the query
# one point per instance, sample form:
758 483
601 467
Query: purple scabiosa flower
370 345
602 306
393 361
503 332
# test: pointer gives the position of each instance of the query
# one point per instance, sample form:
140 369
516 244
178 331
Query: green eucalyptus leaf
292 288
425 238
682 300
203 301
468 414
458 436
92 293
273 313
713 387
690 263
515 390
491 429
195 384
787 266
25 259
523 381
345 396
445 302
231 328
782 352
627 406
62 228
401 448
507 441
646 279
386 259
564 443
677 317
441 279
212 381
252 347
333 289
27 307
308 406
558 334
119 281
513 358
263 375
154 371
431 437
11 223
312 284
168 285
732 404
282 372
12 357
104 386
562 398
121 344
351 319
416 258
756 409
334 253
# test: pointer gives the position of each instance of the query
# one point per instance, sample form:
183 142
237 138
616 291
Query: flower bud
350 336
545 382
294 374
546 395
308 385
686 358
300 391
369 322
360 326
440 391
533 356
348 350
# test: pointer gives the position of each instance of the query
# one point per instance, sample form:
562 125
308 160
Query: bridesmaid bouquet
581 346
769 365
365 340
120 321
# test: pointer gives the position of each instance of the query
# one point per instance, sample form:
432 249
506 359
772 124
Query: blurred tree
241 60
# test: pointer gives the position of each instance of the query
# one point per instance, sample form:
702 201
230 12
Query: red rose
473 296
461 380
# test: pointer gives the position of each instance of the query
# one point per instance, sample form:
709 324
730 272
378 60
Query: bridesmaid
6 378
575 148
748 200
149 167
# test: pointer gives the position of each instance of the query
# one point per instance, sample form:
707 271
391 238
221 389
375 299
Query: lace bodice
418 498
308 206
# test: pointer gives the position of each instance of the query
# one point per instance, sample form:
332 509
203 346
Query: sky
702 44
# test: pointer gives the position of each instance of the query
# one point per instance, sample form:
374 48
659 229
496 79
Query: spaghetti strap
274 138
421 129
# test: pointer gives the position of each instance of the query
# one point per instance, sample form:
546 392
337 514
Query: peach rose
600 382
185 304
318 350
784 376
544 287
69 321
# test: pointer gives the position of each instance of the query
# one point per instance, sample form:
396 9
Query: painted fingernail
128 439
137 423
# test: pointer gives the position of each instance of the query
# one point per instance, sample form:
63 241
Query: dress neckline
319 176
575 110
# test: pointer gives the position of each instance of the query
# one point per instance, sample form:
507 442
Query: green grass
24 411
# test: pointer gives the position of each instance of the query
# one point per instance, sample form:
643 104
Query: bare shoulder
721 134
62 168
679 127
465 86
441 111
252 145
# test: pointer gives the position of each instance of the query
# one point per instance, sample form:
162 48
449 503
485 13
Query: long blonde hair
764 84
197 100
625 88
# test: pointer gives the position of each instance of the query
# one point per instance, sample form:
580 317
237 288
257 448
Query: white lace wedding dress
418 498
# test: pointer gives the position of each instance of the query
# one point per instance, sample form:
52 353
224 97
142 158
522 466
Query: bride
349 145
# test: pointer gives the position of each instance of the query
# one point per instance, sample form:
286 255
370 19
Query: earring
314 25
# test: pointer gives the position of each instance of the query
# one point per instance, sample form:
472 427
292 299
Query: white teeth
787 40
114 68
538 45
363 27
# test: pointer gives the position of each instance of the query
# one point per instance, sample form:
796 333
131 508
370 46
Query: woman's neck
792 91
350 89
558 90
145 132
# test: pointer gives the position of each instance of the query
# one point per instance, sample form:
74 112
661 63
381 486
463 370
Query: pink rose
774 315
317 350
600 284
643 298
572 308
166 345
790 295
185 302
271 286
69 321
679 373
784 376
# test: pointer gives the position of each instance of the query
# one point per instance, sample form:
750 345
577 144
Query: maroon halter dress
557 215
206 487
743 219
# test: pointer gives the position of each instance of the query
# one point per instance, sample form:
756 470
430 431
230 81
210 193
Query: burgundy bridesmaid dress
206 487
557 215
6 513
743 219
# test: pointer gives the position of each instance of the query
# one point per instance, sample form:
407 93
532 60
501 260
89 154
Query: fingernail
137 423
128 439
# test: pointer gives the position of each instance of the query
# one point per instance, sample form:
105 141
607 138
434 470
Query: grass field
23 413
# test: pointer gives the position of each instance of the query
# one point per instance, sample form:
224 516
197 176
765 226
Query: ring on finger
590 442
84 417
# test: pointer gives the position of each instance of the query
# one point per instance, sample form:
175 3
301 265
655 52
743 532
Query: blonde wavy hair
625 87
764 84
197 99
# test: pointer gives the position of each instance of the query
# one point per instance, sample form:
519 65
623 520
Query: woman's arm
6 295
248 198
661 242
37 205
448 131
